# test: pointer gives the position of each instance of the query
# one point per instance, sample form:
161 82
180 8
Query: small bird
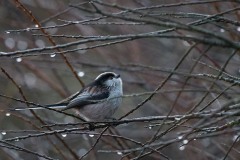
97 101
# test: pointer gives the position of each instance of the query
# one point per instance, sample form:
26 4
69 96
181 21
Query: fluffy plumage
97 101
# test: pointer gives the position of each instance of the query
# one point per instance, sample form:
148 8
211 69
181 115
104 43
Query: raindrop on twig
119 153
19 59
185 141
81 73
64 135
4 133
52 55
181 148
91 135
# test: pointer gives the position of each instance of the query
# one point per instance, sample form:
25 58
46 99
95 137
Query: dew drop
16 140
180 137
19 59
150 127
7 32
8 114
181 148
177 119
4 133
194 139
81 74
238 29
52 55
36 25
64 135
91 135
28 29
119 153
185 141
222 30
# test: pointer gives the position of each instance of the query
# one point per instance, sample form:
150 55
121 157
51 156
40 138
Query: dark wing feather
89 95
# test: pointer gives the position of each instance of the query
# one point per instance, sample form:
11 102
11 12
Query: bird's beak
117 76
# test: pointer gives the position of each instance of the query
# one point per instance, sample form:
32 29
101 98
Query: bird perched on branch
97 101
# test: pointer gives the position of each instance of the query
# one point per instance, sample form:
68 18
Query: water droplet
7 32
181 148
81 74
150 127
16 140
119 153
28 29
177 119
8 114
91 135
238 29
64 135
52 55
194 139
4 133
185 141
19 59
222 30
36 25
180 137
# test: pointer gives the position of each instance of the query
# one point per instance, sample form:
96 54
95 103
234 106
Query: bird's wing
89 95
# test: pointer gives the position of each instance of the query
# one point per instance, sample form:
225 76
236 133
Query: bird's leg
91 126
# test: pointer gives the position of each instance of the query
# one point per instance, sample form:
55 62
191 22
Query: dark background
161 49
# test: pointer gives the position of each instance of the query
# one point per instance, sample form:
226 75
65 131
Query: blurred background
179 62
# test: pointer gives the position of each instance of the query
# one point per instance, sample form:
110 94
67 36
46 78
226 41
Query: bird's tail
51 106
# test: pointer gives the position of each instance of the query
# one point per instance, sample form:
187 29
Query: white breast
105 109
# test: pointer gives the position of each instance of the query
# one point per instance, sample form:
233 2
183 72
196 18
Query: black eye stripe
106 77
102 78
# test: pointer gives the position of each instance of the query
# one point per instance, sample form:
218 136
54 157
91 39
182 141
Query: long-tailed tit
96 101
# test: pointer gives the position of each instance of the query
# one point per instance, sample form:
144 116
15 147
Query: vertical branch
36 116
30 15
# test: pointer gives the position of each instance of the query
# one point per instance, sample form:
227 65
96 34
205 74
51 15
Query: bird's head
109 79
